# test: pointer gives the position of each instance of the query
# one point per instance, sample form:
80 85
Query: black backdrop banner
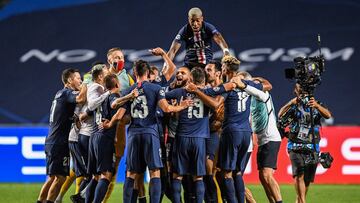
37 43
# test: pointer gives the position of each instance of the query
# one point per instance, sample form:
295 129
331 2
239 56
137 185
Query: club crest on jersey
75 92
141 91
216 89
177 37
158 79
162 92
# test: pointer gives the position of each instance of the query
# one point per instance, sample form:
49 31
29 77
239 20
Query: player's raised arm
218 38
170 68
174 48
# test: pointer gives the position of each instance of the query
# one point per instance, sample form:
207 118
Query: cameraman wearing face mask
303 137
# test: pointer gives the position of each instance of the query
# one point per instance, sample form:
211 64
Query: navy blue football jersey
104 111
237 108
143 108
194 120
61 116
198 44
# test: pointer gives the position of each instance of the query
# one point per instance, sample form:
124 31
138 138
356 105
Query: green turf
318 193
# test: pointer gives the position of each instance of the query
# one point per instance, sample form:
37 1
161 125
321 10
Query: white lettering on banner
345 53
33 170
143 54
27 147
346 149
70 56
351 156
351 170
10 140
75 56
295 52
46 58
254 55
251 56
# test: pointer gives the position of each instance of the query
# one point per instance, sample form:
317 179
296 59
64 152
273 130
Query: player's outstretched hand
157 51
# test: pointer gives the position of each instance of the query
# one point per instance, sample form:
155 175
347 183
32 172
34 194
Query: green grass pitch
318 193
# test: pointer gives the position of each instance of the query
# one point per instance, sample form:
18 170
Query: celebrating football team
192 128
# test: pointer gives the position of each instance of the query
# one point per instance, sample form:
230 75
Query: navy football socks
230 190
134 195
176 186
101 190
89 195
240 188
210 189
200 191
128 190
155 189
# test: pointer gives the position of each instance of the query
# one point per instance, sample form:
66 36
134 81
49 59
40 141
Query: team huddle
191 127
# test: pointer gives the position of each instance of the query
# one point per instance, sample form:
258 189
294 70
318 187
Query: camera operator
303 138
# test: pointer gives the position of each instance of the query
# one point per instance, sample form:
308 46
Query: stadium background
41 37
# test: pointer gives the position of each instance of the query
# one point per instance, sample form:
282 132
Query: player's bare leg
45 189
55 187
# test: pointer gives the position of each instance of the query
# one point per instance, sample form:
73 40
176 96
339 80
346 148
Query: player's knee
106 175
155 173
228 174
131 175
239 173
299 178
177 176
197 178
266 175
60 179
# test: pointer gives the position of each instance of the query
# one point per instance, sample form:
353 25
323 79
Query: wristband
225 50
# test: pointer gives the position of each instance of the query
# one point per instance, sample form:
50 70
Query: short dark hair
141 67
95 73
110 81
198 75
68 73
153 68
217 64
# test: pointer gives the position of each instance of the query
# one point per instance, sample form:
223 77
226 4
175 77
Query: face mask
118 65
